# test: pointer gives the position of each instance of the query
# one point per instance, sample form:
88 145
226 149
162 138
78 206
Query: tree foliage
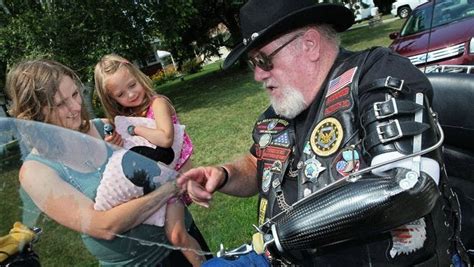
190 27
77 33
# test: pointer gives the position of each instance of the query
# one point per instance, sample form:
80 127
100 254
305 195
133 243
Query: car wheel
404 12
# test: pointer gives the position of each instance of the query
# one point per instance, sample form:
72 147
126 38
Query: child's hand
114 138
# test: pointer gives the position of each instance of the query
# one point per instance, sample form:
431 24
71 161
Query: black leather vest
331 148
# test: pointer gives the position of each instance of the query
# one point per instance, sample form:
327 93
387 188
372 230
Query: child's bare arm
164 133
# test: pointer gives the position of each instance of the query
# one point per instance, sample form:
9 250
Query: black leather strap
393 130
389 108
394 84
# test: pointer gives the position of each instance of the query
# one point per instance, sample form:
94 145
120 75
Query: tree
188 27
76 33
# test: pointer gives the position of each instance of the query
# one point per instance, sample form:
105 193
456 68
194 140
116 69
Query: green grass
219 109
361 38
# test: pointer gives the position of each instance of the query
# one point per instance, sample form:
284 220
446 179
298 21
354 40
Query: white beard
290 103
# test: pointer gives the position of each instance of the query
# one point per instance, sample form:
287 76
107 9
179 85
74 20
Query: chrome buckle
242 250
387 84
381 133
377 109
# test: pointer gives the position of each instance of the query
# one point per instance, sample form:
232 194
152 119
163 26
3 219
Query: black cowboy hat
262 20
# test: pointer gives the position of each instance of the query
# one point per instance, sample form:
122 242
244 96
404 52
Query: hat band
252 37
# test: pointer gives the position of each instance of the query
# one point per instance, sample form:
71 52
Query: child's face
124 88
67 105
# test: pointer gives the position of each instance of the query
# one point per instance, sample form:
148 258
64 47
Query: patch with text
326 137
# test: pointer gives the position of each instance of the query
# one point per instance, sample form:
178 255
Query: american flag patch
282 140
341 81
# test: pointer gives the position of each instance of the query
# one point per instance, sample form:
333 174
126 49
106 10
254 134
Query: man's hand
201 183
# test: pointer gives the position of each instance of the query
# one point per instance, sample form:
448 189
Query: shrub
167 74
192 66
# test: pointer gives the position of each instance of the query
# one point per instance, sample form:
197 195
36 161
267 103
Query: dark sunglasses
264 61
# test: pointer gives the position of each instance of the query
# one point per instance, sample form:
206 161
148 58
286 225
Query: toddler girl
126 91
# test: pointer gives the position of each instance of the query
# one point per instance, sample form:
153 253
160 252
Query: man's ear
312 44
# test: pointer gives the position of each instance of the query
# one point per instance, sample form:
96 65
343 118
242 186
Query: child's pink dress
187 149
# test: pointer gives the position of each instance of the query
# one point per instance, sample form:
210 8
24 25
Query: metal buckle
390 80
381 133
377 109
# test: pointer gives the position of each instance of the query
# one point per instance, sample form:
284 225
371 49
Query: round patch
265 140
326 137
347 162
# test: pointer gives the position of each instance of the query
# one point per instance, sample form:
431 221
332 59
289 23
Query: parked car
363 9
443 36
403 8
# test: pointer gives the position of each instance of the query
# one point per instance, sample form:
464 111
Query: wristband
226 178
131 130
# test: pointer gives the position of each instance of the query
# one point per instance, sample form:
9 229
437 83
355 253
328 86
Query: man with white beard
343 158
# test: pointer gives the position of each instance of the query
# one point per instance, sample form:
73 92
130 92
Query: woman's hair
32 86
110 64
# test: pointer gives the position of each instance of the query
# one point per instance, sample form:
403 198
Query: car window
444 13
454 11
418 21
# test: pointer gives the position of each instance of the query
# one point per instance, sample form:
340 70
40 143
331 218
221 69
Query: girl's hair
110 64
32 86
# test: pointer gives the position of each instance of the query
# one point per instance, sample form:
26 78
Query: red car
447 39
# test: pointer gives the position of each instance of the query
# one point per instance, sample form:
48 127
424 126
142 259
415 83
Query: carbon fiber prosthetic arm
359 209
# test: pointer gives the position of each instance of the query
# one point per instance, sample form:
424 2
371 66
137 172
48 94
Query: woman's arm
164 133
69 207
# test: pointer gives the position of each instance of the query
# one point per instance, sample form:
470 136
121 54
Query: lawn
219 109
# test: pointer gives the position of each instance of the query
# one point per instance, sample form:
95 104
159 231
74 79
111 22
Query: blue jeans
251 259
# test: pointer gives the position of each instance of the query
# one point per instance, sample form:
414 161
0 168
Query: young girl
125 91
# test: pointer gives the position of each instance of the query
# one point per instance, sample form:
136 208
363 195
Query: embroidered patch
341 81
282 140
341 105
337 95
326 137
262 210
276 183
347 162
276 166
276 153
408 238
271 126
